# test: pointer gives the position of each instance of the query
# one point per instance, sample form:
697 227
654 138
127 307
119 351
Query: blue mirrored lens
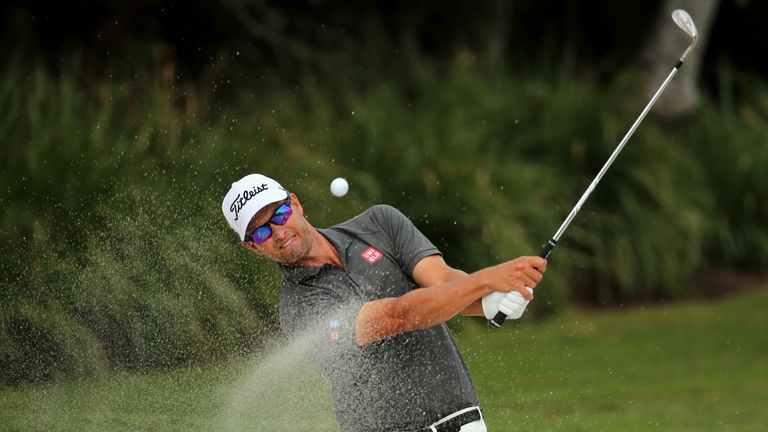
282 214
261 234
280 217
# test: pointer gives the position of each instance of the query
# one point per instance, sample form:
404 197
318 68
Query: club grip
498 320
547 249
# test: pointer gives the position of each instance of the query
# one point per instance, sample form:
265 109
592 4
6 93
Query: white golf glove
511 304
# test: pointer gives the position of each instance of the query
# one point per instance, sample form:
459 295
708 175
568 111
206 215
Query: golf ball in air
339 187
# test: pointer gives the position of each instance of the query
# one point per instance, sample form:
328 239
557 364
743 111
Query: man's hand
515 275
511 304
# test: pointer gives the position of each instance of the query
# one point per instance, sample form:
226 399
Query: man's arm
433 270
446 292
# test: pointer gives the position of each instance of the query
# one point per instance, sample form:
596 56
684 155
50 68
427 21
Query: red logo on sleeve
371 255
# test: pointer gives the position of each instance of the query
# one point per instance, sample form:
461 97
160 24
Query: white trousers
475 426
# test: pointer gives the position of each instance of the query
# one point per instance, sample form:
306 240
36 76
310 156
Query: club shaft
498 320
614 155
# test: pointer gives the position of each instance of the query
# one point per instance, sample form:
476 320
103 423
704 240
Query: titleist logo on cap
243 198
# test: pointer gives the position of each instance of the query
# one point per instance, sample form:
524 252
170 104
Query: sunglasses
280 217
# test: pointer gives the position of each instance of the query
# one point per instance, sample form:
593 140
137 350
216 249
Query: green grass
695 366
683 367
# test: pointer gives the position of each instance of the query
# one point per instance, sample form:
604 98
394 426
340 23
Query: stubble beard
300 251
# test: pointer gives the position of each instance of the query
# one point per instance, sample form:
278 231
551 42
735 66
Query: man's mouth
288 242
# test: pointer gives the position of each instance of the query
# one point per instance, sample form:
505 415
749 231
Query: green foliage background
114 254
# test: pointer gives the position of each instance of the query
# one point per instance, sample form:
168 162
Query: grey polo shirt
401 383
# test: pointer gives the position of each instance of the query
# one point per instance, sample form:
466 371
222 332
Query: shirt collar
338 239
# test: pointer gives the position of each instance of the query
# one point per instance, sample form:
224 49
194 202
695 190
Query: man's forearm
445 293
433 305
475 308
420 308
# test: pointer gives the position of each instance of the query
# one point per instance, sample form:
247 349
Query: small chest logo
371 255
334 330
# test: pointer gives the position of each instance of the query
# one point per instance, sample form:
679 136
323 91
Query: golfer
378 294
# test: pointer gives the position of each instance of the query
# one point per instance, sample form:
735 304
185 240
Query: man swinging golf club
379 292
384 292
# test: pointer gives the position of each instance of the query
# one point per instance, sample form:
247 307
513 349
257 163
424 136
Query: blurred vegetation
113 253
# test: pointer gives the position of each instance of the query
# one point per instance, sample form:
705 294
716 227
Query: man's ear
296 204
249 245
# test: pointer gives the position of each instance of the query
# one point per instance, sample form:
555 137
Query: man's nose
278 232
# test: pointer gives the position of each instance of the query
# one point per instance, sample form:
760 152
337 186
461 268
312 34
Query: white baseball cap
246 197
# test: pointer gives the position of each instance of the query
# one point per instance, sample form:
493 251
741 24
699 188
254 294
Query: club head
684 21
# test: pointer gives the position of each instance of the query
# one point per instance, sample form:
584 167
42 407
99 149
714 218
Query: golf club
684 21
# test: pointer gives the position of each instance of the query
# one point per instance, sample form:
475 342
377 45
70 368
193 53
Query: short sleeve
410 245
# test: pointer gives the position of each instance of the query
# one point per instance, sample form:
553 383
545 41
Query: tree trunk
667 43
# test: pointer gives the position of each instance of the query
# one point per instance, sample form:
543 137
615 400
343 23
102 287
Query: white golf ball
339 187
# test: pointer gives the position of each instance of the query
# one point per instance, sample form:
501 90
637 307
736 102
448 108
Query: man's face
291 242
